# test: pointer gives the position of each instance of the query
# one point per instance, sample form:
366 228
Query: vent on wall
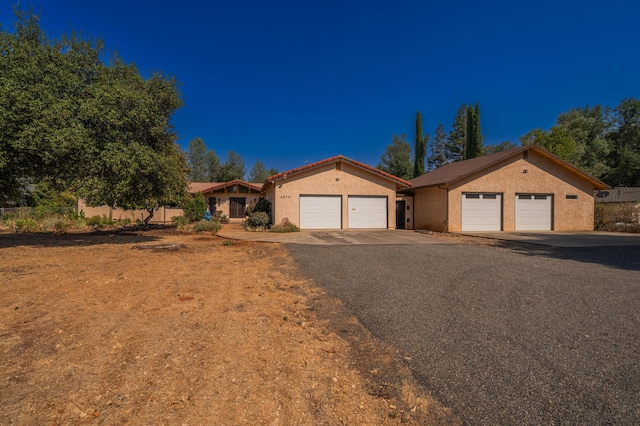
572 197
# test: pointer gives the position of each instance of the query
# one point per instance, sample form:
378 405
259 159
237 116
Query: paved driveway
566 239
501 337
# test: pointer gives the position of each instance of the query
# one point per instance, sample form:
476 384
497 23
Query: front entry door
400 217
236 207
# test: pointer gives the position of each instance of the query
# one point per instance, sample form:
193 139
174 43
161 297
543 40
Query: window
475 196
540 197
572 197
489 196
524 197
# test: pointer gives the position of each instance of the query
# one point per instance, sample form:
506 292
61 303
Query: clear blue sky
289 82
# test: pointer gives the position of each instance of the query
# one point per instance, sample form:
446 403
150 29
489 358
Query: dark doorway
236 207
400 215
212 205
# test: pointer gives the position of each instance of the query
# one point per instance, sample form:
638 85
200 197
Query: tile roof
337 158
457 171
618 195
211 186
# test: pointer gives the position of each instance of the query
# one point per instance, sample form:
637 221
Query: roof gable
195 187
339 158
454 172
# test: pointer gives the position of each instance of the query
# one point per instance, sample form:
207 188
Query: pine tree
478 133
420 148
473 144
438 155
454 146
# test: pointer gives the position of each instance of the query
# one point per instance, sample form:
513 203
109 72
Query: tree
101 130
214 169
420 149
624 158
503 146
272 172
233 168
197 158
438 155
258 172
454 148
557 141
473 140
396 159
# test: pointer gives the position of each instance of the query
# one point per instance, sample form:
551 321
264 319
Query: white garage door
481 212
367 212
533 212
320 212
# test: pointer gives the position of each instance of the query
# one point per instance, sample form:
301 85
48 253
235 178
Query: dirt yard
168 328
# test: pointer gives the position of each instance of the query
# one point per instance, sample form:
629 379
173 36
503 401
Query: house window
572 197
524 197
489 196
474 196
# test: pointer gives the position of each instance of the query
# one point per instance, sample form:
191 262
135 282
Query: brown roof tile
336 158
455 172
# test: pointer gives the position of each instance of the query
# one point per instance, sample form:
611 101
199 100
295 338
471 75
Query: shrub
258 221
179 221
26 225
285 227
207 226
194 208
99 221
262 205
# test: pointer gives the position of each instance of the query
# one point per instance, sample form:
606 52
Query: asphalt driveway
566 239
501 336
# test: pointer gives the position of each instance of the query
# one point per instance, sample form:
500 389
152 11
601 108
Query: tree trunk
148 218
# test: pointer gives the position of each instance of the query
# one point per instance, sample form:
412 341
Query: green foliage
259 173
503 146
454 147
196 157
207 226
262 205
473 141
99 221
557 141
195 208
26 225
420 148
438 155
226 243
623 217
73 120
233 168
396 159
179 221
284 227
258 221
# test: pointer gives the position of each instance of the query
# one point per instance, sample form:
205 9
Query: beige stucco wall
161 215
542 176
222 200
430 209
409 209
331 179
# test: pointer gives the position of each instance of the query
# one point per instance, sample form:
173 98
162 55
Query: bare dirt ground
102 329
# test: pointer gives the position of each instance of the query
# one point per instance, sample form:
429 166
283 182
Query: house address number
285 196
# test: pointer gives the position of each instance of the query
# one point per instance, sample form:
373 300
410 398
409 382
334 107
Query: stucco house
522 189
338 193
228 198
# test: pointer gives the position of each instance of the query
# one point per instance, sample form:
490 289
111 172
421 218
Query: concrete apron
565 239
329 237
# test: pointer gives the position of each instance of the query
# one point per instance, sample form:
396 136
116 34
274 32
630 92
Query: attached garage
335 193
320 212
533 212
368 212
481 212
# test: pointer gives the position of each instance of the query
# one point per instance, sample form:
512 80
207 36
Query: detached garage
522 189
336 193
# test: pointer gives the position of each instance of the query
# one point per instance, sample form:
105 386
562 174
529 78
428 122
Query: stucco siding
534 175
339 178
430 209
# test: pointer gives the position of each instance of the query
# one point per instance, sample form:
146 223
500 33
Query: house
339 193
228 198
522 189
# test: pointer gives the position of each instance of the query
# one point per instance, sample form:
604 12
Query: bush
207 226
285 226
194 208
99 221
262 205
179 221
258 221
26 225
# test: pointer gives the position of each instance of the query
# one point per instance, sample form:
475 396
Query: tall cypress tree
473 140
420 148
476 128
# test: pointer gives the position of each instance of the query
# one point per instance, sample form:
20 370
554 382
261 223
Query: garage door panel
320 212
481 212
533 212
368 212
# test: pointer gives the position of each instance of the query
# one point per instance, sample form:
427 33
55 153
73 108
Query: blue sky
290 82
